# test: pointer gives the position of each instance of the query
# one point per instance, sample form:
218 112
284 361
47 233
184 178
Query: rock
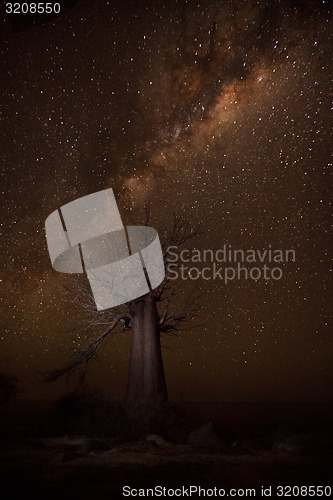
66 443
156 439
287 448
205 436
132 447
297 443
94 445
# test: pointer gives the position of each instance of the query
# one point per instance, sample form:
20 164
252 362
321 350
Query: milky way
216 110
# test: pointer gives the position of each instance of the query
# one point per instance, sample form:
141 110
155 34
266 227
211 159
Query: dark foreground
247 446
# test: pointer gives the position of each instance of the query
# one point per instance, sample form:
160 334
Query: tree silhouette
160 311
8 387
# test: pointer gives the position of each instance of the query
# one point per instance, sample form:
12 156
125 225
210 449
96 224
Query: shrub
8 387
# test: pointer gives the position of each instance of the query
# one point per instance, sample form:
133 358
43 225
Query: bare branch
81 298
183 311
85 354
147 210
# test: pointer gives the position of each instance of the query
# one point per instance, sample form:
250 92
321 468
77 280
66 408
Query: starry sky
217 110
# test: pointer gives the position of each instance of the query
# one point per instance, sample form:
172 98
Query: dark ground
258 444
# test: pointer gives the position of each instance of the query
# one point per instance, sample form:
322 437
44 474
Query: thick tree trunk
146 378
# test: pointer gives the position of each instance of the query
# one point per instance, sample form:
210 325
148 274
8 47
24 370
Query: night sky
217 110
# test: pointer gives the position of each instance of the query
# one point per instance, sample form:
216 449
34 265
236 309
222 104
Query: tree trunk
146 379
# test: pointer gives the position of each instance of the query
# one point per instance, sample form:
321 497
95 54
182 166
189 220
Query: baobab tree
160 311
